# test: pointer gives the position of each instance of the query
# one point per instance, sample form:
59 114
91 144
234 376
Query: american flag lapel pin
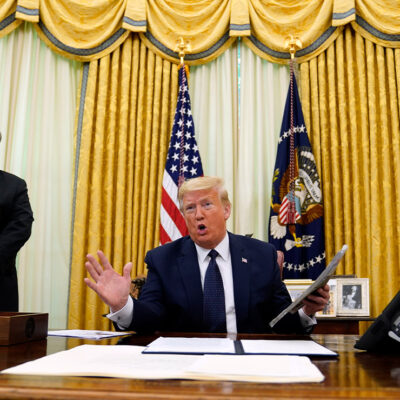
244 260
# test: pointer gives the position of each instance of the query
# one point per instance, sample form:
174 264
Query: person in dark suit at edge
16 219
172 298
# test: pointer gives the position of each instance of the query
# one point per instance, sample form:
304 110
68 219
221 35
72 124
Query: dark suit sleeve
149 311
16 220
281 299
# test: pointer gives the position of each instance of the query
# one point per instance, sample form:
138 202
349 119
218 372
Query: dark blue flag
296 224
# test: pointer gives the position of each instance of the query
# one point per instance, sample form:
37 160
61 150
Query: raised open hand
112 287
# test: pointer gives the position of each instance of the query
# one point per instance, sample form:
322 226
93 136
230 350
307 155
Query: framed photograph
353 297
330 310
296 287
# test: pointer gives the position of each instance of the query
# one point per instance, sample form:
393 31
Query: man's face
205 217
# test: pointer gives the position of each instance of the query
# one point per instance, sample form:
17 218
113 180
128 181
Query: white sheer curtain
37 111
264 88
213 94
244 157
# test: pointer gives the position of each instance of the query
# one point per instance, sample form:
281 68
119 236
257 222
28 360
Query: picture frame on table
330 310
352 297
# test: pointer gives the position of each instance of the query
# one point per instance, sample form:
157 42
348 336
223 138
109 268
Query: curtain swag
87 30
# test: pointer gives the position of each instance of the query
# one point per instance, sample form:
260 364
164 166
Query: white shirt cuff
305 320
123 317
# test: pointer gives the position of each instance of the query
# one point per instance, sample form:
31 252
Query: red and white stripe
172 224
285 216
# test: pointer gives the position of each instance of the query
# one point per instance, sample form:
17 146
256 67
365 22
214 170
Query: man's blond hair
204 183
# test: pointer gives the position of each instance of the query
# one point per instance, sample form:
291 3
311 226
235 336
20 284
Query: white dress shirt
225 268
124 316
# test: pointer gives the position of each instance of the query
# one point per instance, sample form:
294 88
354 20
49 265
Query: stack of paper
129 362
87 334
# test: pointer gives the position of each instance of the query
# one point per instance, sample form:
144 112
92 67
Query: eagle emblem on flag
305 200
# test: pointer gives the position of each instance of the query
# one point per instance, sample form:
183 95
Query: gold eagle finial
182 48
293 43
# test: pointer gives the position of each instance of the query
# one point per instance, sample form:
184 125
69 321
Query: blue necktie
214 297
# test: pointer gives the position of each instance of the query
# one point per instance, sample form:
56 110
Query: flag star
184 168
185 158
180 122
301 267
312 262
175 156
185 88
179 134
189 124
184 100
195 160
176 145
195 148
187 146
189 112
302 128
193 171
318 259
173 168
183 109
188 135
290 267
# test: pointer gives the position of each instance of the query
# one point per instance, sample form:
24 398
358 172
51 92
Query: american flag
183 162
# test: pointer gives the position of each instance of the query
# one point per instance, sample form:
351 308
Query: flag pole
292 43
182 48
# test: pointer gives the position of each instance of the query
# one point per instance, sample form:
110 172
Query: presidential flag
296 224
183 162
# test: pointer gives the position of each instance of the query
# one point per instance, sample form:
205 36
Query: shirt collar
222 248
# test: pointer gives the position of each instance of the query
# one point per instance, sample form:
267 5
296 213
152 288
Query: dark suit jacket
172 297
15 228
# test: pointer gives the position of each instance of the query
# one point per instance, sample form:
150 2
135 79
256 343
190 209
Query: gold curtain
351 104
86 30
129 100
309 21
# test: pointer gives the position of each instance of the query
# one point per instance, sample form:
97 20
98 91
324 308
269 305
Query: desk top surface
354 374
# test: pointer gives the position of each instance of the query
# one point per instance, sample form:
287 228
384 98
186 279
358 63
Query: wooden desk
340 325
353 374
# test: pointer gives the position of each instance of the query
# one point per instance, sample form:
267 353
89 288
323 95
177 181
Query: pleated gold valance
89 29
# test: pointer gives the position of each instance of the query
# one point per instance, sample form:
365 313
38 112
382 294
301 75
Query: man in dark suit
176 294
15 228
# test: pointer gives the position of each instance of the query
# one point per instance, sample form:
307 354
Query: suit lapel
190 273
241 265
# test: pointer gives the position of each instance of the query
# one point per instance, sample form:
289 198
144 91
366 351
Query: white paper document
191 345
182 345
267 369
120 361
86 334
128 362
288 347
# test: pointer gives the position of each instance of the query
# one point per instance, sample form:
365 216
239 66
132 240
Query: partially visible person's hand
316 302
112 287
